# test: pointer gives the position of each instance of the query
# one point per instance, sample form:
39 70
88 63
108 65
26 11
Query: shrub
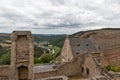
5 59
37 61
47 58
113 68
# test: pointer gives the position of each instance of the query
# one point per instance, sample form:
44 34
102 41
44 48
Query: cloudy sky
58 16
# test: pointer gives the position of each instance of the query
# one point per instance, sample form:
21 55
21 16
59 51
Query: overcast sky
58 16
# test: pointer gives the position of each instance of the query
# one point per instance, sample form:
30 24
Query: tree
5 59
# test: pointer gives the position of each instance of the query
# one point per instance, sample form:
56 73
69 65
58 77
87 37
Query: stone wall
72 68
4 72
68 69
4 78
56 78
22 55
45 74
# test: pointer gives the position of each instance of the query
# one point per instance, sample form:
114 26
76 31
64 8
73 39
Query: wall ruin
22 56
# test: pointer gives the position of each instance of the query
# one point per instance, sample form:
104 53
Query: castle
79 57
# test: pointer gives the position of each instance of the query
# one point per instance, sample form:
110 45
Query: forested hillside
46 47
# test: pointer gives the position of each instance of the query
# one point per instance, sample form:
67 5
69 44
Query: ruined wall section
45 74
22 55
4 70
74 67
68 69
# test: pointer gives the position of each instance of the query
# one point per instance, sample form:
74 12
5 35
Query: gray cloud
57 16
57 2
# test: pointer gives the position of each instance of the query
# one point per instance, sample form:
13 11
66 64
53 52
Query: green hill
55 40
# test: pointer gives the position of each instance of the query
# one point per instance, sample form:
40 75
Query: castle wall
68 69
72 68
22 56
4 72
45 74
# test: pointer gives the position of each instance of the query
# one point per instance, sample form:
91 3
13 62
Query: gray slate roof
79 45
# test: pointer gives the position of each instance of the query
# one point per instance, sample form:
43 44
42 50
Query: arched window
82 69
87 71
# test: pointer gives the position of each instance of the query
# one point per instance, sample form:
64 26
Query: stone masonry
22 56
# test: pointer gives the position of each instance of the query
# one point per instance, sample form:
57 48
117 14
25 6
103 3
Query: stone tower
22 56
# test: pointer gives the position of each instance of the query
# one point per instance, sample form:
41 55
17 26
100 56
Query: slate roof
79 45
